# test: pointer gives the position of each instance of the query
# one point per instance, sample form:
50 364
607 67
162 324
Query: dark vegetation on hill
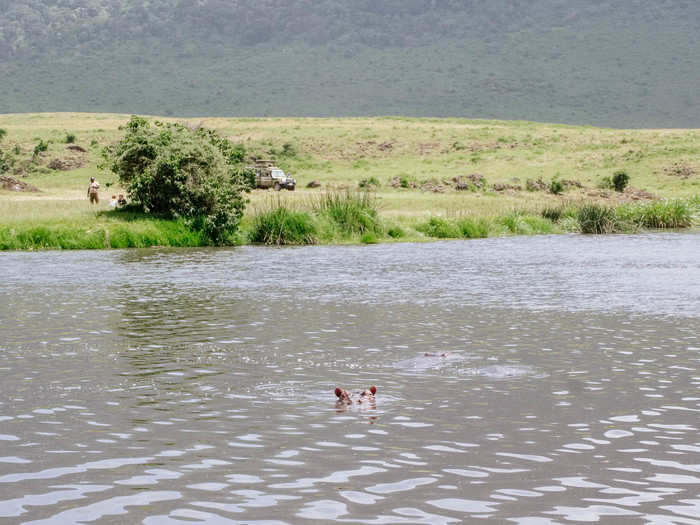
628 64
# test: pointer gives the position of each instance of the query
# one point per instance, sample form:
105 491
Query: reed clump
439 228
518 223
597 218
675 213
350 212
473 228
282 226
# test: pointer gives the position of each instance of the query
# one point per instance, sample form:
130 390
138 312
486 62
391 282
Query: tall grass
659 214
597 218
474 228
522 224
280 226
439 228
351 212
135 234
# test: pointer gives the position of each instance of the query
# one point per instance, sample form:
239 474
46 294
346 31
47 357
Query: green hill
602 62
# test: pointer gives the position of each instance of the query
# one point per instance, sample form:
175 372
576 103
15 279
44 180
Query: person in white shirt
92 191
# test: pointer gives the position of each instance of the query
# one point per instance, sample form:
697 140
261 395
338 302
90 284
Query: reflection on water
560 383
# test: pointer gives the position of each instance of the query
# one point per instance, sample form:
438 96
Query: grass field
422 154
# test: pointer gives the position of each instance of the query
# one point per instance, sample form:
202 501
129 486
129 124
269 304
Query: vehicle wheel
277 186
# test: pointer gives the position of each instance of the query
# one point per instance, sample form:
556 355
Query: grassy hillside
409 163
618 64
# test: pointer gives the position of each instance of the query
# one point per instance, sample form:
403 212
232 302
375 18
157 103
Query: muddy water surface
193 386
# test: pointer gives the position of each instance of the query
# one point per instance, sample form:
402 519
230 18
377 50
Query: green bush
395 232
553 213
3 133
606 183
172 171
371 182
597 218
368 238
281 226
556 187
557 213
40 147
4 163
70 138
472 229
538 224
514 223
620 180
439 228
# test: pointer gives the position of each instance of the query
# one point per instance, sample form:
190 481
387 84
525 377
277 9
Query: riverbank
426 178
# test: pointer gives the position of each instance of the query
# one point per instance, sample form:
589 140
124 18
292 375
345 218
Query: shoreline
429 178
112 230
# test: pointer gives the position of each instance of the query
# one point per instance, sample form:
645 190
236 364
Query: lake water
196 386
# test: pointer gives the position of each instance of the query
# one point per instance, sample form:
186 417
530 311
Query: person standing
92 191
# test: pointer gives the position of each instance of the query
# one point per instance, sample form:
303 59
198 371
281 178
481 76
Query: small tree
172 171
620 180
556 187
4 163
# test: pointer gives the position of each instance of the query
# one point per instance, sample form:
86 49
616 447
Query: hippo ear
373 389
338 391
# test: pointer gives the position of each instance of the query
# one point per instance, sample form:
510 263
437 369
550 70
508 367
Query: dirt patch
67 163
681 169
536 185
75 147
510 188
434 186
402 182
314 184
629 195
426 148
635 194
12 184
474 181
572 183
